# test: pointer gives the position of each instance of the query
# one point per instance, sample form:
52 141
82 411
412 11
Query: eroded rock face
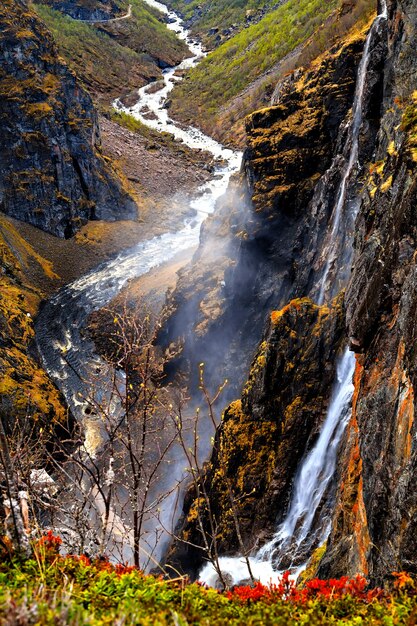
375 522
293 192
258 251
26 393
264 435
52 173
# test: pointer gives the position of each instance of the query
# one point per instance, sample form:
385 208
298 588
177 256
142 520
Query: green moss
25 389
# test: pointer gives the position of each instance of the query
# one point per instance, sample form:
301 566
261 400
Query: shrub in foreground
52 589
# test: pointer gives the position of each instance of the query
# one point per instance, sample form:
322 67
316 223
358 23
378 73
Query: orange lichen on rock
25 389
405 408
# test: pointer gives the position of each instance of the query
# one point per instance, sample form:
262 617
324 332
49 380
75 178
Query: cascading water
352 161
67 354
294 535
308 520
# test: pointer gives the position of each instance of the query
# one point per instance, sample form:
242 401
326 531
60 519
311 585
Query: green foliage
116 58
237 63
51 590
219 13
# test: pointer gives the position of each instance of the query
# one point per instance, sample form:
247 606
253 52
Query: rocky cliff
26 393
89 9
263 436
52 173
374 518
375 521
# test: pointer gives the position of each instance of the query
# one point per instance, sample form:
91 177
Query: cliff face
88 9
26 393
263 436
375 521
254 252
52 174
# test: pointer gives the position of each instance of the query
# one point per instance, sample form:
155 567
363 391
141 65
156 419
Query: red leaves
124 569
326 590
50 542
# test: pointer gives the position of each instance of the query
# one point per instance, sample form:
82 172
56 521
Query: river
68 355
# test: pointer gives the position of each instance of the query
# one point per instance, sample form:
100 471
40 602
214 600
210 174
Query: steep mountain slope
264 436
52 172
113 59
374 521
241 74
374 525
294 167
25 390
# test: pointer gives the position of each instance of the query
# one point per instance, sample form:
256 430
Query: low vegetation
157 139
215 20
240 75
115 59
49 589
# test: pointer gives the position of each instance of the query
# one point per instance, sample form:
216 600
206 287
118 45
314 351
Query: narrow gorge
211 344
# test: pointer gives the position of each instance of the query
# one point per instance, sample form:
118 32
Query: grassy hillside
117 58
240 75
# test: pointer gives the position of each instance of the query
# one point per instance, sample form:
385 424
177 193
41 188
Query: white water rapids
310 498
67 354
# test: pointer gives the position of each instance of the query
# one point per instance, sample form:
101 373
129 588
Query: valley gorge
279 265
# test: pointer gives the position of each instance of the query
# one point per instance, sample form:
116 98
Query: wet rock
374 526
263 436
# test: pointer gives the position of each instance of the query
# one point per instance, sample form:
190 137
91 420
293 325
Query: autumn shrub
56 589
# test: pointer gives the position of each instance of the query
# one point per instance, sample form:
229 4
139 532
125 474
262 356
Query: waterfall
355 128
314 478
308 520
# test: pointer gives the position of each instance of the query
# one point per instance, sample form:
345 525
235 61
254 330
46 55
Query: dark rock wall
89 9
52 173
375 517
264 435
375 521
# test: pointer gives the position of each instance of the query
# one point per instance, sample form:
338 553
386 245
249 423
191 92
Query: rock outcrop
52 173
26 393
263 436
88 10
375 521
